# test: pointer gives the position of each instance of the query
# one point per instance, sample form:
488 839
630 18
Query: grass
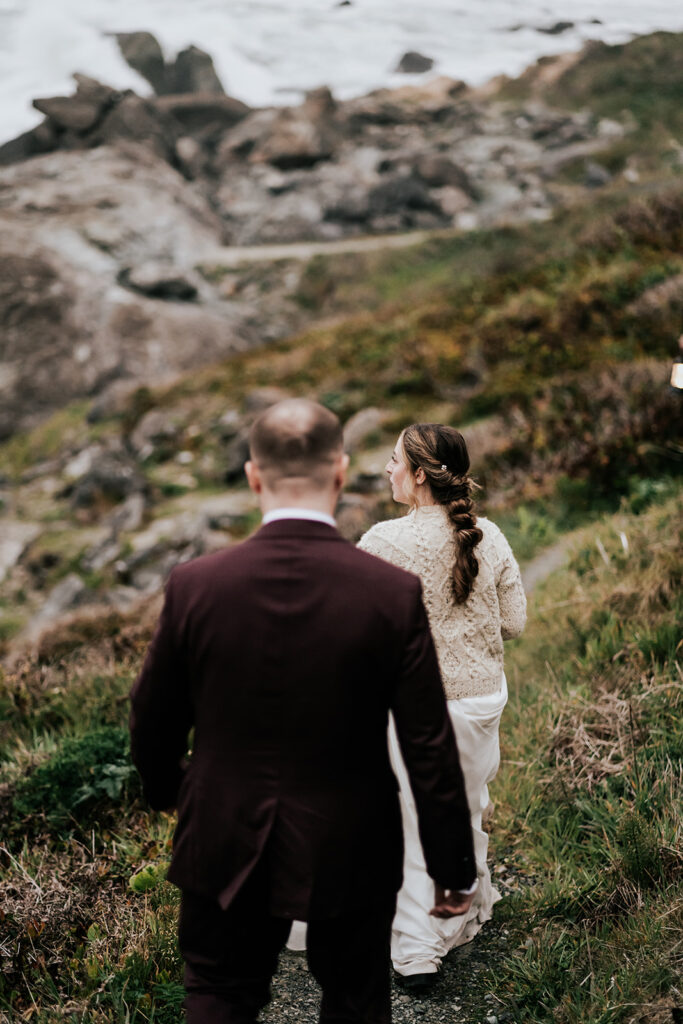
587 805
592 807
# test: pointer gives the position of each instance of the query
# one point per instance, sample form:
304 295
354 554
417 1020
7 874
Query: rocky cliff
116 210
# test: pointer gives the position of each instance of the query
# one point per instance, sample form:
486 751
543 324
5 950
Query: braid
460 510
442 453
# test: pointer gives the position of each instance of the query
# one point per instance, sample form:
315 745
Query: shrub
88 775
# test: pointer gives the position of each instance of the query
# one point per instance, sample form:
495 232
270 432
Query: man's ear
253 476
340 473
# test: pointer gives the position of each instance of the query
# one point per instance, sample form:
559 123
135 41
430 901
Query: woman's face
399 475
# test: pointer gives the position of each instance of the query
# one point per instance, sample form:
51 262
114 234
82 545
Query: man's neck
324 504
309 514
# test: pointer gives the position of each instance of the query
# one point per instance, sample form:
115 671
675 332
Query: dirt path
550 559
236 255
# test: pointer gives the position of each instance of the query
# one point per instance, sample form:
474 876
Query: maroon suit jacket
285 654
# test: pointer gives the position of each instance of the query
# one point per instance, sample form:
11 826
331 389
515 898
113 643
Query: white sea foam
270 51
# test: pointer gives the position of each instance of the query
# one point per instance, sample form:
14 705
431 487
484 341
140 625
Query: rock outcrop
108 208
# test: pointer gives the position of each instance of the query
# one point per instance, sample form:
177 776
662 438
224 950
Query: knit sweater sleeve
379 540
511 596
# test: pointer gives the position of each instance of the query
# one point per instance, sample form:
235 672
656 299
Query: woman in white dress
475 600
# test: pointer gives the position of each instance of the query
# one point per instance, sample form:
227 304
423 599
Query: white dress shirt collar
298 513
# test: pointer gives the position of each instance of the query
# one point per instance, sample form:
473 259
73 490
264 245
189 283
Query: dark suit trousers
231 955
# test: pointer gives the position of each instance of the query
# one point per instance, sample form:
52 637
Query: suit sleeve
161 711
430 753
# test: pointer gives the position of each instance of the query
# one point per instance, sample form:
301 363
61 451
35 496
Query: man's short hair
296 438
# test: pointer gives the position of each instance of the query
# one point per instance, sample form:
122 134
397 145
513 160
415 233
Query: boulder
38 140
398 195
39 314
160 281
81 112
260 399
67 594
110 479
141 50
239 142
234 455
354 516
438 171
100 555
15 538
203 115
156 434
107 206
413 63
193 71
363 425
138 120
294 142
452 200
595 175
69 112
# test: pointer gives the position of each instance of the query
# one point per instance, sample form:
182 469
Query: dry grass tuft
594 739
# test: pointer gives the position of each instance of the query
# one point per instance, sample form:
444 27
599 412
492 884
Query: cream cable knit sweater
468 637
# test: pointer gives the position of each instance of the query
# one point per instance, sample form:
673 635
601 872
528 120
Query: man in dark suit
285 655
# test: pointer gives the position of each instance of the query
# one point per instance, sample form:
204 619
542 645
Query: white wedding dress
419 942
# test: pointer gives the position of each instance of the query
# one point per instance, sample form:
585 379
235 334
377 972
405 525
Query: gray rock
70 112
400 195
438 171
193 71
111 478
368 483
354 516
128 516
155 434
362 425
14 540
165 543
235 454
67 594
142 52
557 29
203 115
160 281
89 90
113 401
191 157
68 222
100 555
34 142
137 120
260 399
295 142
596 176
413 63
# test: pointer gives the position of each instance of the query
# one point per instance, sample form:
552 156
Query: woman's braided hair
442 453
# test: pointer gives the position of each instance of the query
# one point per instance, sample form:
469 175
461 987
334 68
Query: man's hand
448 903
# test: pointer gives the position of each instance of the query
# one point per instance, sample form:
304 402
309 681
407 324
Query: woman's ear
420 477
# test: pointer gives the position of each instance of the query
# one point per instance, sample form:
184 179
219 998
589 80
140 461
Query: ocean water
271 51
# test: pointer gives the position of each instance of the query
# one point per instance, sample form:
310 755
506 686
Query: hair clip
445 468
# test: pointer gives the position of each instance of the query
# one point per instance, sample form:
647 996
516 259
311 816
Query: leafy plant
88 774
